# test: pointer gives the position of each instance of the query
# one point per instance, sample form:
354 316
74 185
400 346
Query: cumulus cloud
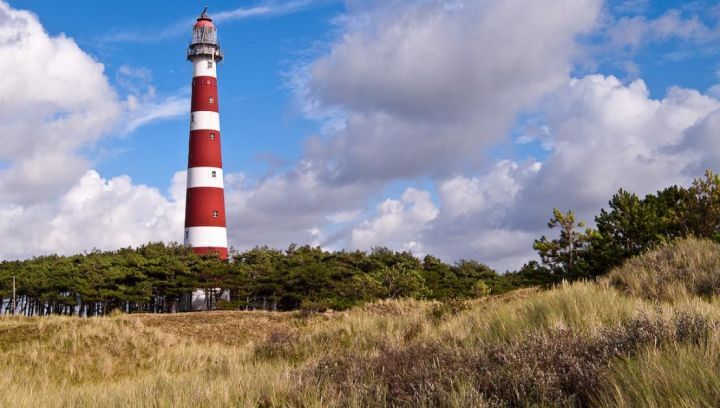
605 135
453 80
701 145
94 213
54 99
608 135
425 86
398 223
60 101
475 216
287 208
487 193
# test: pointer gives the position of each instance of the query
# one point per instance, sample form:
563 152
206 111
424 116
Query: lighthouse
205 227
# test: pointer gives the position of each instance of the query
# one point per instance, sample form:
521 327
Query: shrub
450 307
557 368
481 288
413 376
280 343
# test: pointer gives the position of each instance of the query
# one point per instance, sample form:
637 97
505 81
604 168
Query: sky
444 127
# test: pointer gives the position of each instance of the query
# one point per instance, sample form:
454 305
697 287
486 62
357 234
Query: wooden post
14 304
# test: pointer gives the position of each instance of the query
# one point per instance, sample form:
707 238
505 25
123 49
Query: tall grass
677 376
577 344
676 271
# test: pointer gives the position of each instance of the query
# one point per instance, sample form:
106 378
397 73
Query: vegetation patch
672 272
558 368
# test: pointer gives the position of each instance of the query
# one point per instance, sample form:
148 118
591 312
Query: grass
678 376
613 343
676 271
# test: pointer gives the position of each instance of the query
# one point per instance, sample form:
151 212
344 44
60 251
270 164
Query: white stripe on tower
204 120
205 177
202 68
206 237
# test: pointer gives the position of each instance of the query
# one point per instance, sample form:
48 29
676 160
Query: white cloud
143 109
60 101
94 213
398 223
54 99
344 216
475 214
702 145
605 134
608 135
287 208
425 87
264 9
632 32
488 193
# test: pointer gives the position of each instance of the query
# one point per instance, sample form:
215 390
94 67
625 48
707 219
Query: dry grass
677 271
580 344
229 328
676 376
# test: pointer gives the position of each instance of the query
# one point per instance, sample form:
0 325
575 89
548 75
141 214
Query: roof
204 20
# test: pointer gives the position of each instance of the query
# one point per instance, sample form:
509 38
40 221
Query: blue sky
437 126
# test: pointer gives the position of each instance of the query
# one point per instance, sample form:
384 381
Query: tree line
157 277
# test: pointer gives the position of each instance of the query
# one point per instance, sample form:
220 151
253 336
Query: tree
481 288
563 255
629 224
400 282
701 210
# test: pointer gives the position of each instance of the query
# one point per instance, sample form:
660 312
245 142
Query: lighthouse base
203 299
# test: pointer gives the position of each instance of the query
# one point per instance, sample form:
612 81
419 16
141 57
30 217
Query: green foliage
157 278
564 255
700 212
630 226
457 281
481 289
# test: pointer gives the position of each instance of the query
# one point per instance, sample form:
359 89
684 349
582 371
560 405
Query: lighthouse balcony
204 50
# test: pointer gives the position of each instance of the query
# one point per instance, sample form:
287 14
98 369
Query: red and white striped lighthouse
205 227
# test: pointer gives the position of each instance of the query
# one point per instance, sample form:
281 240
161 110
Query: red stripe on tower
205 227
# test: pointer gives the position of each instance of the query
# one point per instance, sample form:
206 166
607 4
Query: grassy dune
618 342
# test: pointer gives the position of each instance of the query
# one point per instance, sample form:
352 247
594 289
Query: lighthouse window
214 173
215 213
212 136
192 118
211 100
209 64
186 234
